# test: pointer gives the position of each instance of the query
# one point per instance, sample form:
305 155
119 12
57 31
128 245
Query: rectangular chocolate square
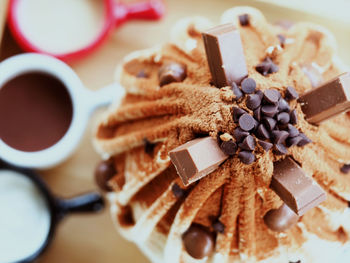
295 188
327 100
225 55
197 158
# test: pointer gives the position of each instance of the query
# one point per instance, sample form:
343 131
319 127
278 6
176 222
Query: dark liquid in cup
35 111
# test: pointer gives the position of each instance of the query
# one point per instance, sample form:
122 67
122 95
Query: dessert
279 190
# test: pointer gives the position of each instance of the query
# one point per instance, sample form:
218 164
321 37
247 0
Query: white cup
84 102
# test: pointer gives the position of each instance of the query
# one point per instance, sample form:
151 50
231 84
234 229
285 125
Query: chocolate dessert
225 150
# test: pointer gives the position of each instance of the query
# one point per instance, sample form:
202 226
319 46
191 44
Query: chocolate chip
253 101
240 134
345 168
283 105
265 145
142 74
263 68
237 112
260 94
293 141
262 132
269 110
149 146
304 140
246 157
282 39
198 242
257 113
273 68
218 227
229 147
293 117
236 91
171 72
291 94
279 136
280 149
272 96
104 171
248 85
293 132
248 143
177 191
246 122
270 123
283 118
244 20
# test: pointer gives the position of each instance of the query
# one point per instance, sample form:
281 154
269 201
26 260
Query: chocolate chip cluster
270 122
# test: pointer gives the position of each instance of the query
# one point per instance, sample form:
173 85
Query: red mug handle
146 10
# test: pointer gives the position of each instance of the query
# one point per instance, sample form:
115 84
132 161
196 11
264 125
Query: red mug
115 14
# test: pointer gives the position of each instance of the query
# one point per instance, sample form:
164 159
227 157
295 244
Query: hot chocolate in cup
44 110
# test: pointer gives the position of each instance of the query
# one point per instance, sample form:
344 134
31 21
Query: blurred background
92 238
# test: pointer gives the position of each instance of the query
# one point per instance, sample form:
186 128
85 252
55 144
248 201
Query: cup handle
146 10
104 96
87 203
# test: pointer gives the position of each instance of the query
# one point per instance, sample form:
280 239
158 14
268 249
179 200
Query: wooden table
92 238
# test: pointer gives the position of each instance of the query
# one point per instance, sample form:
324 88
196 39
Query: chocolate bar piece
327 100
225 55
197 158
295 188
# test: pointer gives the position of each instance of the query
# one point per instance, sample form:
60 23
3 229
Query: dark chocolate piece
246 122
142 74
237 112
293 141
260 94
279 136
280 219
177 191
304 140
104 171
149 146
328 100
223 47
246 157
345 168
266 67
265 145
197 158
293 132
283 117
244 20
171 72
283 105
280 149
253 101
269 110
296 189
218 227
236 91
293 117
291 94
270 123
248 85
262 132
229 147
272 96
198 242
240 134
257 114
248 143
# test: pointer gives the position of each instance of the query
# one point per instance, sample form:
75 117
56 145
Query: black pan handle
86 203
